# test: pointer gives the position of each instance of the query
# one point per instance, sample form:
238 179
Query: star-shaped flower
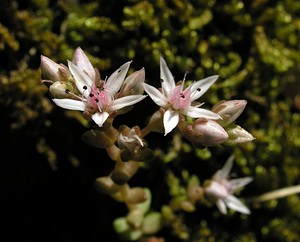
98 99
220 189
176 100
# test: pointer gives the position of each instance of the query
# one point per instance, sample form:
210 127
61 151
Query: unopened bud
229 110
53 71
133 84
238 135
155 123
204 132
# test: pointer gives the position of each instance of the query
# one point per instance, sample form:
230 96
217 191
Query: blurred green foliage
253 45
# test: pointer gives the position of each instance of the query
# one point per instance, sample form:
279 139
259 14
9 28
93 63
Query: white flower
98 98
220 189
176 100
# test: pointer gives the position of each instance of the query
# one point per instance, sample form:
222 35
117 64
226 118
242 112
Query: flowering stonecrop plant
79 87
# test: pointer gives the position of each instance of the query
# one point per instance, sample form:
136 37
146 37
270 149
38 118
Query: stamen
185 75
73 95
198 89
91 95
161 80
96 100
84 87
182 95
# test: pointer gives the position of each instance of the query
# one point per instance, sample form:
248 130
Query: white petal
69 104
221 206
100 118
240 182
83 63
223 173
235 204
156 95
168 83
115 81
171 119
195 112
198 88
82 80
126 101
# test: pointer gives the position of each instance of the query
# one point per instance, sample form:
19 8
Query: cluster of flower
79 86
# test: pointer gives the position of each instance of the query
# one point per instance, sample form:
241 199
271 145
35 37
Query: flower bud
53 71
229 110
204 132
238 135
133 84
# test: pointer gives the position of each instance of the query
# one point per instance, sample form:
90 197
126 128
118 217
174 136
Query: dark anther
67 91
182 95
119 70
84 87
198 89
161 80
97 100
91 95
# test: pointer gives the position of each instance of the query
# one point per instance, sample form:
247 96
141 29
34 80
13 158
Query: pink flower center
99 98
179 99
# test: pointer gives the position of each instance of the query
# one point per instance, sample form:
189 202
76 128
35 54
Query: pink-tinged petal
100 118
170 120
235 204
223 173
126 101
69 104
82 80
115 81
195 112
198 88
240 182
83 63
166 77
156 95
221 206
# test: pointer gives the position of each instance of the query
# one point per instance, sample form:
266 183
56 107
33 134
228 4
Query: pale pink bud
133 84
238 135
229 110
53 71
204 132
